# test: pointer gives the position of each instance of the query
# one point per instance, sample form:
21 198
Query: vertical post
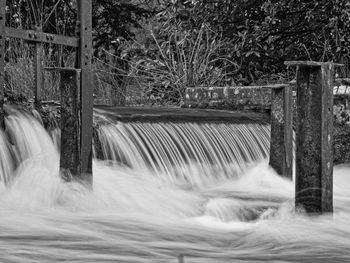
84 62
314 142
70 123
38 74
2 60
281 144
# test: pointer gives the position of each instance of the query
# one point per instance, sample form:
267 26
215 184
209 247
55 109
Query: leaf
249 53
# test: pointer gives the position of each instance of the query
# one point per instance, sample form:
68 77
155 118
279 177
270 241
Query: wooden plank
327 135
314 139
84 62
34 36
38 74
2 60
70 165
273 86
310 63
59 69
281 144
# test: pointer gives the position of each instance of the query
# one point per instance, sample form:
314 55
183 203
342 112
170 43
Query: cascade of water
28 136
25 140
6 162
173 149
133 216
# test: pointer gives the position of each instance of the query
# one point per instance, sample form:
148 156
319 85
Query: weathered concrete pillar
38 72
281 144
70 122
84 62
71 128
314 137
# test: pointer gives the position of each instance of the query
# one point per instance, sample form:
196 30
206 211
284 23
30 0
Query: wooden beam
272 86
309 63
38 74
84 60
281 144
35 36
70 165
314 138
2 60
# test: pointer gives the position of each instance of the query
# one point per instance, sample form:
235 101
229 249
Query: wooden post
84 57
70 161
314 137
2 60
38 74
281 143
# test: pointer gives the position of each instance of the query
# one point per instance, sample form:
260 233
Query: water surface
135 214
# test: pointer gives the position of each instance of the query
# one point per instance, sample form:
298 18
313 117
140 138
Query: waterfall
194 191
6 162
24 140
191 152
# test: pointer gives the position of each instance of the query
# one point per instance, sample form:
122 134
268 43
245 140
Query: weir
213 149
314 128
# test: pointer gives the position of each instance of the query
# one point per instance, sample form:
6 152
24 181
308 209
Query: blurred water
193 153
134 215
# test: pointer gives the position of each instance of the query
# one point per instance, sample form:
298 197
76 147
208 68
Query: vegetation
148 51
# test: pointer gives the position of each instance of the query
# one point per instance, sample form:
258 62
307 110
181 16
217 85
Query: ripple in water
134 215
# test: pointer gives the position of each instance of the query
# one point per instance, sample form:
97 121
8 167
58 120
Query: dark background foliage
156 48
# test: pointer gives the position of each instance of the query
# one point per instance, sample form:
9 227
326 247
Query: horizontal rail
274 86
310 63
37 36
60 69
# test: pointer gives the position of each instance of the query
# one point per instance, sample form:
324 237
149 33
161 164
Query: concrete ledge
161 114
256 98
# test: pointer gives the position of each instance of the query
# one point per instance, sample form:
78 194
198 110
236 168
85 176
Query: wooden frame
83 43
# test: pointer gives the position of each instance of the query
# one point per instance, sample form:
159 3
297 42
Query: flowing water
169 193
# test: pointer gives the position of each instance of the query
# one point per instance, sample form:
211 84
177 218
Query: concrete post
71 127
70 123
314 137
281 144
84 60
38 73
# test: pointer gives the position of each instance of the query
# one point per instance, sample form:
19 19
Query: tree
262 34
115 22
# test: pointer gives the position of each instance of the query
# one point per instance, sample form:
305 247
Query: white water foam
134 216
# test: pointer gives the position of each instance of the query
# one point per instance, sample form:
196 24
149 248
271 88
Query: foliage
265 33
115 20
253 37
174 60
112 21
158 47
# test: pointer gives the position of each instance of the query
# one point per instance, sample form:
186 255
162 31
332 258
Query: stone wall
258 98
229 98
